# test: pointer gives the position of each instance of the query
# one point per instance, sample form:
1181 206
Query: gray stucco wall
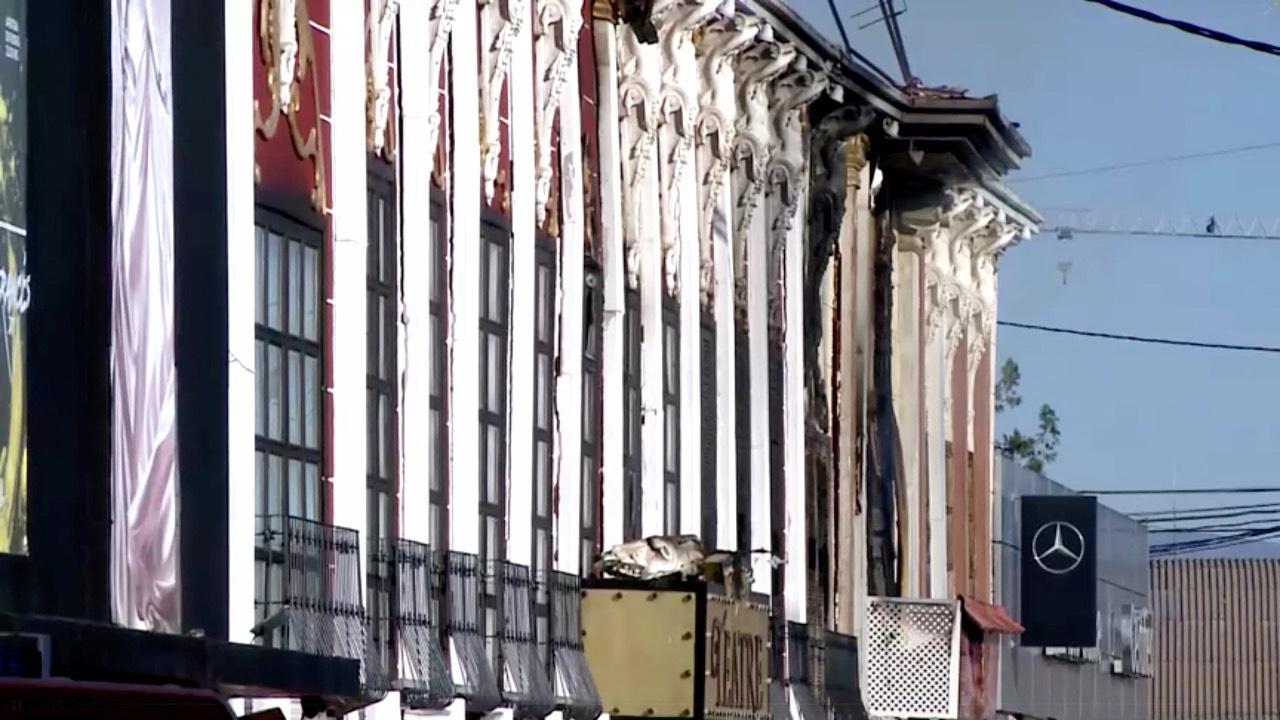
1047 687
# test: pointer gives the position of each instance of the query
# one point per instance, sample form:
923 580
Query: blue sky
1092 87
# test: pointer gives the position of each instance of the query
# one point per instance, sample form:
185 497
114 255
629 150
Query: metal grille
575 688
424 678
913 658
473 675
524 675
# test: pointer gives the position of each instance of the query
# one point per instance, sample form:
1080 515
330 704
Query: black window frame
542 530
777 496
382 371
633 419
495 326
742 431
306 340
709 431
592 409
671 415
438 479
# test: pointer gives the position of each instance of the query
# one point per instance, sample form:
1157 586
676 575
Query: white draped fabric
144 461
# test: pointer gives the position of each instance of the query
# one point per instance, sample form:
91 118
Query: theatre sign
682 651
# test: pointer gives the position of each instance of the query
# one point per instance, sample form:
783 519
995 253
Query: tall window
438 447
380 391
777 496
544 353
288 417
742 430
592 398
289 357
671 416
495 287
708 431
632 527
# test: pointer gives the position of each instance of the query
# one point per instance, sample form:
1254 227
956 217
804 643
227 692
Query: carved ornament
442 15
678 123
719 44
754 69
289 57
380 23
556 50
639 110
509 18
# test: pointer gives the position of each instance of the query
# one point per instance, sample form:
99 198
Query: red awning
990 617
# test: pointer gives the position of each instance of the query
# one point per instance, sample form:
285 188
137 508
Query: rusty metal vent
913 658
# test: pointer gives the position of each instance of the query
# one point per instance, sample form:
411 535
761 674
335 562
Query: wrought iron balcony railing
525 684
844 693
803 648
404 599
309 598
575 688
475 678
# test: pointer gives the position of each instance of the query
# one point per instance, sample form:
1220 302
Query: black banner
15 284
1059 571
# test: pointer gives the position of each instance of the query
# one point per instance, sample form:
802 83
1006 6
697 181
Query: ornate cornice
380 23
506 20
555 50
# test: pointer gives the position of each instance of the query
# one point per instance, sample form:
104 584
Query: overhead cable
1174 513
1183 491
1141 339
1190 28
1168 159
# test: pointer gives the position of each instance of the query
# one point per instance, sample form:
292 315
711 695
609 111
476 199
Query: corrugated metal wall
1217 646
1052 688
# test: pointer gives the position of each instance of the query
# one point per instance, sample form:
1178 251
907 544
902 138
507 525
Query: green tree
1033 452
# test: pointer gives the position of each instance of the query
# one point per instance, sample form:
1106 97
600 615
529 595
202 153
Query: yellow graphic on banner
13 455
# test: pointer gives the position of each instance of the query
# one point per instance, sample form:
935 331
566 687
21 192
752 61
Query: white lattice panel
913 658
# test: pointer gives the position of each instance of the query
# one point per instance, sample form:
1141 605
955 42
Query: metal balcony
404 594
308 596
804 650
525 684
474 676
575 689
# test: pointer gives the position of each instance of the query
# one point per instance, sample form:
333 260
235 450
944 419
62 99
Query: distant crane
1068 223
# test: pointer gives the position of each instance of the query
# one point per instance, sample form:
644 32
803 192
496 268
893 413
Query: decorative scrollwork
380 25
556 37
287 51
509 19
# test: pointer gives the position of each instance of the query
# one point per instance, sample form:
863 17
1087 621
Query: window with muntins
742 432
438 429
631 489
289 357
382 291
495 333
592 400
544 353
671 416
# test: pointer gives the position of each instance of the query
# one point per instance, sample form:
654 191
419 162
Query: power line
1157 515
1141 339
1261 509
1168 159
1190 28
1185 491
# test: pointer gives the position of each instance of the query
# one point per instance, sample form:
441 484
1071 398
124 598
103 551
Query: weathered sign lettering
737 660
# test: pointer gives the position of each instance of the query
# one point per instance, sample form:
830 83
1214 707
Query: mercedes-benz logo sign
1057 547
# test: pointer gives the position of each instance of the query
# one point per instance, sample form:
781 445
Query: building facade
1217 638
380 322
1113 679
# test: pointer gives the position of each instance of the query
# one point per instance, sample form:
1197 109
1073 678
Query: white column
520 380
241 478
417 153
935 382
569 293
758 374
464 298
350 230
906 391
639 70
613 251
681 186
867 237
716 129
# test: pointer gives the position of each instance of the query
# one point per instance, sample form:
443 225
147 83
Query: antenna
1064 267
